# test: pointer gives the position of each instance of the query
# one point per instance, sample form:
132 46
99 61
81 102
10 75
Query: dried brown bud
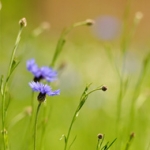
100 136
90 22
132 135
23 22
104 88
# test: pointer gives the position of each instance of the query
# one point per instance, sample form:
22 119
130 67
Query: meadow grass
117 119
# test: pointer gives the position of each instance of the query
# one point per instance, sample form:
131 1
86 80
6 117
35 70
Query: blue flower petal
41 73
53 93
33 68
48 73
44 89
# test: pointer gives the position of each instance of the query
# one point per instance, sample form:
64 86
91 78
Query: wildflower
43 89
44 72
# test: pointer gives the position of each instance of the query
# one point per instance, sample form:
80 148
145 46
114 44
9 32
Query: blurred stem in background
123 78
126 41
137 91
58 50
129 142
4 89
63 35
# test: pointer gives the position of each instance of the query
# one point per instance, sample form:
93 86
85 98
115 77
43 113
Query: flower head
44 72
43 89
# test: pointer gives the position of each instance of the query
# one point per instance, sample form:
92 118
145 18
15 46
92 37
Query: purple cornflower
44 72
43 89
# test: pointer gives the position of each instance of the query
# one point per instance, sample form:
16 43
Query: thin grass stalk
98 144
10 70
35 125
138 89
70 127
83 99
44 126
129 141
30 123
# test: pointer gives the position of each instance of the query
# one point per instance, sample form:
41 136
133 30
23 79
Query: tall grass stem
35 125
4 92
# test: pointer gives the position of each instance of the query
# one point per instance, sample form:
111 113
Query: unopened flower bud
90 22
104 88
23 22
100 136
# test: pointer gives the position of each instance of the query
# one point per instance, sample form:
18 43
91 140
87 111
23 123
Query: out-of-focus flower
43 26
44 90
0 5
44 72
107 27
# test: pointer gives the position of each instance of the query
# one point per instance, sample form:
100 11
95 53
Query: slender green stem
35 125
138 90
129 141
83 99
98 144
70 127
5 137
14 52
44 126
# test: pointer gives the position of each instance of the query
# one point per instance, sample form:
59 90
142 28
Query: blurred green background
88 57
